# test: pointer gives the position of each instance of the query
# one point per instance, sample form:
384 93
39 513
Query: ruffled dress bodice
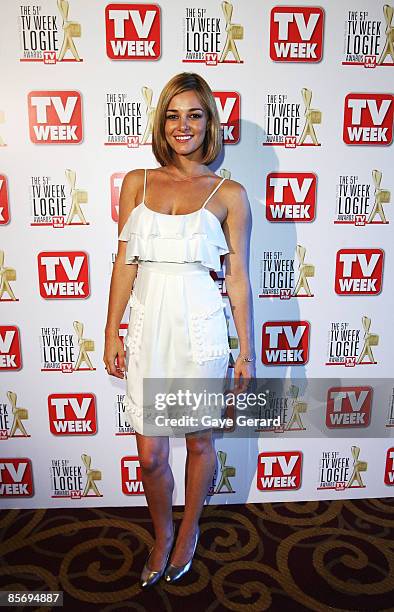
193 237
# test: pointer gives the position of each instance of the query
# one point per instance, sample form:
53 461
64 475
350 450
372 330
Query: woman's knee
153 460
201 445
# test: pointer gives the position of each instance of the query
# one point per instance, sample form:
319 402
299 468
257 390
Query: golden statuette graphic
369 340
232 342
85 346
78 196
305 271
6 275
147 94
20 414
388 49
225 173
298 408
312 116
2 120
91 476
358 466
71 29
234 32
382 196
226 472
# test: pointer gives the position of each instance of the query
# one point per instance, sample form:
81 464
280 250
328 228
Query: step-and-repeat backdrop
303 93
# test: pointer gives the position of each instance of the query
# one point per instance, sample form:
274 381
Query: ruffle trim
130 407
189 250
174 238
133 337
211 352
203 349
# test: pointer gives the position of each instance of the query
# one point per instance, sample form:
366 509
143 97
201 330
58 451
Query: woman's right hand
114 356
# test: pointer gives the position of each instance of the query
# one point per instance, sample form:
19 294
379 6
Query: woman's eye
192 116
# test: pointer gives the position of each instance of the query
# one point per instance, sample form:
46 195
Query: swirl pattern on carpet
314 555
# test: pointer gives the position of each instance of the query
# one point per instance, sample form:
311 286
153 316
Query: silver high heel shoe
150 577
174 572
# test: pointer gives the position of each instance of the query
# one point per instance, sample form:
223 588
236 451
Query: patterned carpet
326 555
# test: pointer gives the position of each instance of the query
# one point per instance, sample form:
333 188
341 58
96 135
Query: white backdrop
71 125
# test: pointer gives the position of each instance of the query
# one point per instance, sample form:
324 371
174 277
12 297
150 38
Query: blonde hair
186 81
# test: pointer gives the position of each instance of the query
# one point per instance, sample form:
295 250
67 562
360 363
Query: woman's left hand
244 371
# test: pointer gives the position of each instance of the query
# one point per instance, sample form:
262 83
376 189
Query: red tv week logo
211 59
131 476
368 119
16 477
296 34
389 469
370 61
285 342
348 407
55 117
279 470
291 196
116 181
229 108
72 414
10 348
63 275
133 31
359 271
4 201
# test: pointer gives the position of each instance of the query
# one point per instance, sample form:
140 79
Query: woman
177 326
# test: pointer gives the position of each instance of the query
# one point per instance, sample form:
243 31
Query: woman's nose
183 122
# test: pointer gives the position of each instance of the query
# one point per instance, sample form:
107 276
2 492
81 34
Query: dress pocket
208 332
133 337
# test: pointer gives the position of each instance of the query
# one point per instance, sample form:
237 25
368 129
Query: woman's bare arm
123 274
237 229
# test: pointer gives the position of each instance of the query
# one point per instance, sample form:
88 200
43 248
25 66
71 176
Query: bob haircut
186 81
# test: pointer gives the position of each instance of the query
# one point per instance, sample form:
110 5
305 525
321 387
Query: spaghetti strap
143 197
213 192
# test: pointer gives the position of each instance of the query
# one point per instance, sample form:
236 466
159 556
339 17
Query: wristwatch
247 358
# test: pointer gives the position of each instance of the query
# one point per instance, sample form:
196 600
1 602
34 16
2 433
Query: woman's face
186 124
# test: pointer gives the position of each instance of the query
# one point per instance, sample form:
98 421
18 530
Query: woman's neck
187 168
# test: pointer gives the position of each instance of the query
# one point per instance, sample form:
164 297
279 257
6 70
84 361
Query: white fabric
194 237
177 327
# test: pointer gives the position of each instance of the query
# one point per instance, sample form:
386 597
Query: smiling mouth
182 138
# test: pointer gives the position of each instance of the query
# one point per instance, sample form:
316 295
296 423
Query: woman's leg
158 484
199 470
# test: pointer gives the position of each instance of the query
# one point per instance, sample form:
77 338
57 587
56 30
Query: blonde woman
175 221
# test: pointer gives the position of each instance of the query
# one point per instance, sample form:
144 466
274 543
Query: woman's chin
184 150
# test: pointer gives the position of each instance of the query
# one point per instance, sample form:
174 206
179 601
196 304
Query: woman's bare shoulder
132 184
235 198
233 191
132 179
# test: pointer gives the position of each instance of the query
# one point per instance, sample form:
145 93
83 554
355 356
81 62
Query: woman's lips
183 138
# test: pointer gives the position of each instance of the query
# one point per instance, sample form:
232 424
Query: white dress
177 328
